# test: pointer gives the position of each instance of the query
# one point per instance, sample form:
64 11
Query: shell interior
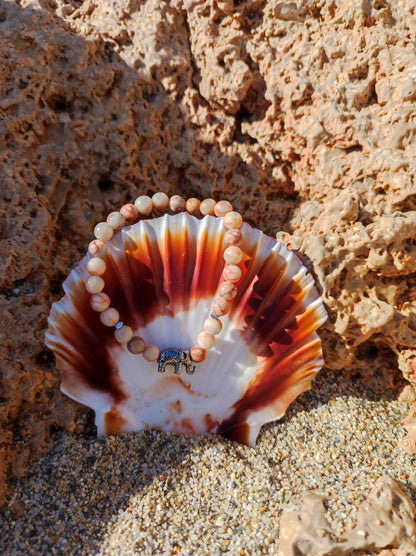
162 275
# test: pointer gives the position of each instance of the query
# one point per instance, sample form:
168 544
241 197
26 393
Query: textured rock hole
359 73
45 359
306 97
354 148
55 287
409 203
315 11
242 115
3 15
367 97
378 370
54 429
105 184
58 102
253 18
367 351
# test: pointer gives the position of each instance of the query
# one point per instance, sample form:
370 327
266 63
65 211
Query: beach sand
159 493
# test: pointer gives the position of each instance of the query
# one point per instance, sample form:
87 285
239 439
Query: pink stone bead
136 345
94 284
100 302
220 306
192 205
144 204
110 317
231 273
233 219
207 207
116 220
206 341
160 200
212 326
233 237
123 334
129 212
97 248
96 266
197 354
222 208
103 231
151 353
177 203
233 255
227 290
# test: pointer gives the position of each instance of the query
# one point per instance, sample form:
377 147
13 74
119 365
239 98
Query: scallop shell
161 275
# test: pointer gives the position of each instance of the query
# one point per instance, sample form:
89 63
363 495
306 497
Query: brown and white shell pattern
162 275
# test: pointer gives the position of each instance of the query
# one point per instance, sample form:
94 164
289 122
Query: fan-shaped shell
161 276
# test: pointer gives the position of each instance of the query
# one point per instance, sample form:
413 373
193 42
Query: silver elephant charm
177 358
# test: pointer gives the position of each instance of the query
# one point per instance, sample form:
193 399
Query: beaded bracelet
227 290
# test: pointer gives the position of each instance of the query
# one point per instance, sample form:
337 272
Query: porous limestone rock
301 113
385 520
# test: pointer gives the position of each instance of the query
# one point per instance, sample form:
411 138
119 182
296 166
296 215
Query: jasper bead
220 306
212 326
233 237
231 273
160 200
94 284
233 220
97 248
192 205
116 220
136 345
177 203
103 231
144 204
222 208
100 302
206 341
96 266
123 334
233 255
129 212
151 353
197 354
207 207
110 317
227 290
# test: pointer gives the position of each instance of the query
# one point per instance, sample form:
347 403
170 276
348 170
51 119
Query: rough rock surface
301 113
386 519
